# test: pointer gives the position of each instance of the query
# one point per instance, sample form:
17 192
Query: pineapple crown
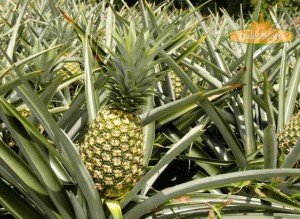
131 75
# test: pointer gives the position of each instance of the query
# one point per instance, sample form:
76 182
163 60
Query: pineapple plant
66 37
113 147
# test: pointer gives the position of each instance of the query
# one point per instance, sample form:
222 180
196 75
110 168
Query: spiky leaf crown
131 76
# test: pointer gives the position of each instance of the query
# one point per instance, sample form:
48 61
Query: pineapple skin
177 85
113 152
72 67
289 135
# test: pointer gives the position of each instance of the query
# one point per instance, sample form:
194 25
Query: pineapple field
149 110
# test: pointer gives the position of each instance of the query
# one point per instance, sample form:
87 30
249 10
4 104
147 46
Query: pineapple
25 112
177 85
70 67
289 135
113 147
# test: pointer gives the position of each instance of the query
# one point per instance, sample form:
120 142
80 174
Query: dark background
232 6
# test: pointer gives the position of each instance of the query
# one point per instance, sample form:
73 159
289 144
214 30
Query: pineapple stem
114 208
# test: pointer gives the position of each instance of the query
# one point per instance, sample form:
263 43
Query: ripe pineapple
113 147
289 135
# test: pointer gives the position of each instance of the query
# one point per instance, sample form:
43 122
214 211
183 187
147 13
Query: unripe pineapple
289 135
113 147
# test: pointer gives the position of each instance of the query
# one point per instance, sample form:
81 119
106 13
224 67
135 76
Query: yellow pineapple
113 151
113 147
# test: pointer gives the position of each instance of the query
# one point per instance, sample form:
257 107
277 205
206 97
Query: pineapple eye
118 173
100 140
117 153
107 169
109 181
128 156
134 169
124 147
106 135
97 174
126 165
106 147
106 157
117 122
116 133
115 142
109 125
124 138
117 161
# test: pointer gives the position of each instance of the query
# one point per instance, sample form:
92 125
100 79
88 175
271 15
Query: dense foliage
148 111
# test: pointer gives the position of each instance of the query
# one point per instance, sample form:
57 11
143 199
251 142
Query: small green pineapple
113 147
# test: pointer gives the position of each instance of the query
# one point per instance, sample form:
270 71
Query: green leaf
80 213
6 70
250 143
10 85
282 87
277 57
13 112
227 134
270 147
149 135
21 169
90 93
274 195
165 160
39 164
183 103
204 183
15 204
83 178
13 39
292 91
24 177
